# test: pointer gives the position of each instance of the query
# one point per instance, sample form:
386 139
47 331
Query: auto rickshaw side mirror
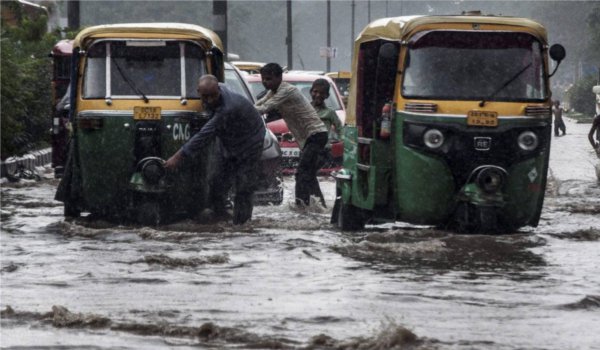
557 53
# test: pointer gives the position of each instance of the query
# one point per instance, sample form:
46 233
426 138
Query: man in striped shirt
303 122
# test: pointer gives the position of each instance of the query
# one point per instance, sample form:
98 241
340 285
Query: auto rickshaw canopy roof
149 31
400 28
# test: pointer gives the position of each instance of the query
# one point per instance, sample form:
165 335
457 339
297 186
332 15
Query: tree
26 100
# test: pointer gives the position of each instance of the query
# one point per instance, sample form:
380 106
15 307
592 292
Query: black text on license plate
146 113
482 118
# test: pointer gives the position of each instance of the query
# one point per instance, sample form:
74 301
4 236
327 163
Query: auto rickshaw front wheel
346 216
70 210
149 213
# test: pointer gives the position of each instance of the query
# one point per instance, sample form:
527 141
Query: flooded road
288 280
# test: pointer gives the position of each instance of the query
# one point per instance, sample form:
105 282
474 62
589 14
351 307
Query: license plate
482 118
146 113
290 152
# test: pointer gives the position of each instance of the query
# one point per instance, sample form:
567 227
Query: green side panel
425 187
369 186
350 138
363 188
524 191
106 158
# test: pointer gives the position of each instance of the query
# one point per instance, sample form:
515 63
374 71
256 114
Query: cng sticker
181 132
532 175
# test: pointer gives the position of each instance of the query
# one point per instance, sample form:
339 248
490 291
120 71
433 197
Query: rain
289 278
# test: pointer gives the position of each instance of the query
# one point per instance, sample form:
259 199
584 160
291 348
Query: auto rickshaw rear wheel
349 217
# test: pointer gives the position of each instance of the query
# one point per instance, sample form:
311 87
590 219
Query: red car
289 147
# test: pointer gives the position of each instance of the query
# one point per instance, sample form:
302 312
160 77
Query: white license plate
290 152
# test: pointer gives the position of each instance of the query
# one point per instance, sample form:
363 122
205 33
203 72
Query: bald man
241 130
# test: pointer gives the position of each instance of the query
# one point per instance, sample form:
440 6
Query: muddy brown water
288 280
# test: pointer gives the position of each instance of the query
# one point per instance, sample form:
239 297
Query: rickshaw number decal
482 118
181 132
146 113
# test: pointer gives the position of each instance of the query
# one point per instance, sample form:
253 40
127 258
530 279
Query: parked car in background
289 146
270 188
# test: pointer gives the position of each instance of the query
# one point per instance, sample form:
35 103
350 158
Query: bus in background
61 74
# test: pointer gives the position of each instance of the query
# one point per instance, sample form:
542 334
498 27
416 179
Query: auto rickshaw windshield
151 68
461 65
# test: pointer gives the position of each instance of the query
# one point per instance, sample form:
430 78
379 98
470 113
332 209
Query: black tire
149 214
71 211
349 217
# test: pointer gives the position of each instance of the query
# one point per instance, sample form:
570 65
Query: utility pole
329 50
220 22
352 28
73 21
288 38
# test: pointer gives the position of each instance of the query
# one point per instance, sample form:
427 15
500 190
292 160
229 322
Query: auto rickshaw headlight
490 179
528 141
433 138
152 170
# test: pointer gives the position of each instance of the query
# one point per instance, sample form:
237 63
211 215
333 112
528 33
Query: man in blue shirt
241 130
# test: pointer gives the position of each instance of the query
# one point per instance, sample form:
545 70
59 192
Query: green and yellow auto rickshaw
448 124
133 104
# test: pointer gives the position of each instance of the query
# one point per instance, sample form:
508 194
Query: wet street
289 280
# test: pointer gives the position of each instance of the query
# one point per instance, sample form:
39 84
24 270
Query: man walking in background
559 123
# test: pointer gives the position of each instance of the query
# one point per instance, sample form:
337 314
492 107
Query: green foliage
25 83
581 98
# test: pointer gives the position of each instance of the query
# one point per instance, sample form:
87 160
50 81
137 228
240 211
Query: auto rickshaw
342 81
61 75
448 124
133 104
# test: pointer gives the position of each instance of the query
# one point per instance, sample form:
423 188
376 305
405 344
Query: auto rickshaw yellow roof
148 31
402 28
399 28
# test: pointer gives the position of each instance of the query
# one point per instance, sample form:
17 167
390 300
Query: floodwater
289 280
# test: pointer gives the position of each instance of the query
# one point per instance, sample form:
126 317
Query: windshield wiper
129 82
482 103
